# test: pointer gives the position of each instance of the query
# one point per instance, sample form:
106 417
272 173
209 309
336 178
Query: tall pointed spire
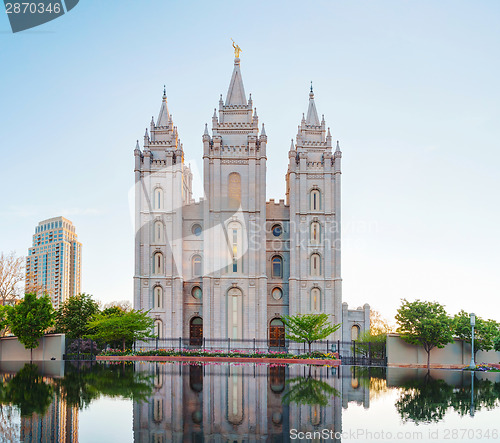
312 114
236 91
164 116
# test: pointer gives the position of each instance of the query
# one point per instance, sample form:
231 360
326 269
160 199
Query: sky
409 88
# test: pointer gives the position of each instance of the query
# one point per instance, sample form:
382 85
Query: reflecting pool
172 402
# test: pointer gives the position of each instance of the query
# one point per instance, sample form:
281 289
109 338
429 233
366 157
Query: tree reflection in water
28 391
426 400
85 382
308 391
82 383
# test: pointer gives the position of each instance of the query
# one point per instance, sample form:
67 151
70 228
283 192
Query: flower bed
218 353
485 367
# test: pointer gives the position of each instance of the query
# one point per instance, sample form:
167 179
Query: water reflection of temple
239 403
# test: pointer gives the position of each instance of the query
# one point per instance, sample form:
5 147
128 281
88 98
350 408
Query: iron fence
350 352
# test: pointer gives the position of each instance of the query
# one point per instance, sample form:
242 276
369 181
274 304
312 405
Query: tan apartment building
53 264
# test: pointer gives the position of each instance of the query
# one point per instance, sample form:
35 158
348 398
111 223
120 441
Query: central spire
164 115
312 114
236 91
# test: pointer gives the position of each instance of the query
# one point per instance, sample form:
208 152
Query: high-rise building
53 264
230 265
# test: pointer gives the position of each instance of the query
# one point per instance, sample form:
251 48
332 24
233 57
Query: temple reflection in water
236 403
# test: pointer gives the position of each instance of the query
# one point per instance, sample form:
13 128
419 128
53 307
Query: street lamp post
472 324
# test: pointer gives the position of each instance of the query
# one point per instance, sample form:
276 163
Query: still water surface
171 402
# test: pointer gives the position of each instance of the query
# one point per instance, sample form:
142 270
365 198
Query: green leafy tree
371 344
4 323
29 392
496 343
74 314
29 319
424 323
307 328
121 327
485 331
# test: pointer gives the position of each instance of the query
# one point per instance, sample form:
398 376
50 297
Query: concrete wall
50 346
457 353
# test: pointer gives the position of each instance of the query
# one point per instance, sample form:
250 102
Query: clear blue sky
410 88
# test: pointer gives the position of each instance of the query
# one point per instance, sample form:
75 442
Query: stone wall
50 346
457 353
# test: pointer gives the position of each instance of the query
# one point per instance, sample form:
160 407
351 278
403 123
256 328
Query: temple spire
312 114
236 91
164 116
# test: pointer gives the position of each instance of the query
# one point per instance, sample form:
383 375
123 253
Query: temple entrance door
196 331
277 333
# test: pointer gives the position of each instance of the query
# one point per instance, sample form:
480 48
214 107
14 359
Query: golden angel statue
237 49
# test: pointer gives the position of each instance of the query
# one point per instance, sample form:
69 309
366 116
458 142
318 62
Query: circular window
277 230
277 293
196 230
196 292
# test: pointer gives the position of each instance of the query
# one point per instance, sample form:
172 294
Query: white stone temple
231 264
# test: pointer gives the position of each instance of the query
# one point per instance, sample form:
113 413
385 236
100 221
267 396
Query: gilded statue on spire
237 49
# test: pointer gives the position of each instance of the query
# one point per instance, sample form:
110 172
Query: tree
121 327
424 400
371 345
424 323
378 324
3 319
309 391
29 319
73 316
11 274
29 392
485 331
496 342
307 328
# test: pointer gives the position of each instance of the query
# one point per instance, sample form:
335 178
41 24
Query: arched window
235 238
158 328
315 265
315 299
158 232
234 190
355 332
315 233
158 263
197 268
196 379
158 409
277 267
315 415
315 200
158 378
234 313
158 297
158 198
277 379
